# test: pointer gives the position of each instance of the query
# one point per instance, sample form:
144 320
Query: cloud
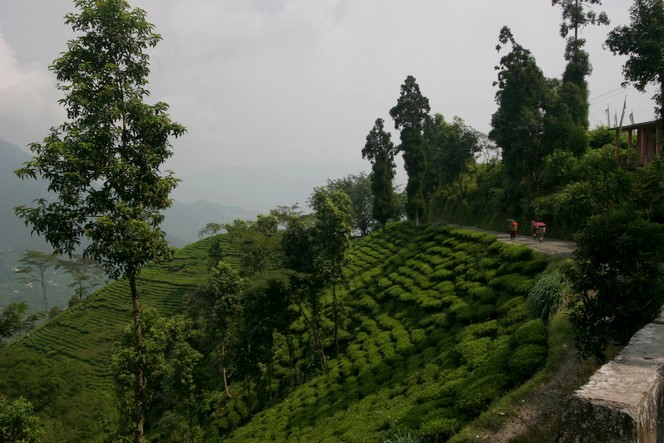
26 97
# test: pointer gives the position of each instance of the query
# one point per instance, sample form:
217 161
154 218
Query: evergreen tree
103 164
410 115
380 151
643 43
517 124
568 124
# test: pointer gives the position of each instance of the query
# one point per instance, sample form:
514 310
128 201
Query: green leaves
642 42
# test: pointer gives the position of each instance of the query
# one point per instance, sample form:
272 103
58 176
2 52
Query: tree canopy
642 42
410 115
104 163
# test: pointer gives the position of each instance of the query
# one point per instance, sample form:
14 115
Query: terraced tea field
438 330
78 342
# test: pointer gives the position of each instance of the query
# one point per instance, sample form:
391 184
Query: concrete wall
623 400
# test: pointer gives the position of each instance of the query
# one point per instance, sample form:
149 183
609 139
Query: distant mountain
13 192
182 223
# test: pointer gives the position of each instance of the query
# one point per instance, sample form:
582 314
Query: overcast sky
271 86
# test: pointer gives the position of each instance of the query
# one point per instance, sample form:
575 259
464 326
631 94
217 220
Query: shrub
475 397
531 332
517 284
486 329
474 352
513 312
440 429
547 296
526 360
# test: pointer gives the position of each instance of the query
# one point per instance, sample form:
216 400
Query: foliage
518 122
642 42
170 366
358 188
34 268
103 163
410 115
13 319
380 151
548 296
616 277
18 422
258 242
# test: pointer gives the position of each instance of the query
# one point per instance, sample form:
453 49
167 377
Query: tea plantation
438 330
435 329
63 367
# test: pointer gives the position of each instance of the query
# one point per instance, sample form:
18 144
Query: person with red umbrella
538 229
514 227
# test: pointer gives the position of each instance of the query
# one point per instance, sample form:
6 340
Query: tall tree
380 151
34 266
103 163
576 16
410 115
573 91
171 362
643 43
225 290
517 124
86 274
298 245
332 228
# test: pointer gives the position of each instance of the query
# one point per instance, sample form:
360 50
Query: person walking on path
538 229
514 227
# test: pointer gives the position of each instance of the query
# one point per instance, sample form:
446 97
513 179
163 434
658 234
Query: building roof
638 125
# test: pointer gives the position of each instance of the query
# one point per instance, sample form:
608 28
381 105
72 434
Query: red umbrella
539 224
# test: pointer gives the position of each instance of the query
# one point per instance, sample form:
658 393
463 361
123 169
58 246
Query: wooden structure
647 142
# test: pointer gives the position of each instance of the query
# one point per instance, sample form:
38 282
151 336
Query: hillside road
550 246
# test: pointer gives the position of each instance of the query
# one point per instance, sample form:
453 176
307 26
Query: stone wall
623 401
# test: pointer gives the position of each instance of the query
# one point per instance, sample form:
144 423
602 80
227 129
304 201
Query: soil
539 418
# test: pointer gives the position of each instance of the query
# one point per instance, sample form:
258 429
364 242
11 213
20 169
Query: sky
279 95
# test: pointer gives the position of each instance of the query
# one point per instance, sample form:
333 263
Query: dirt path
550 246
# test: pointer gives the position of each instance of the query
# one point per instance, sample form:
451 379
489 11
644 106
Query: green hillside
438 331
63 367
435 330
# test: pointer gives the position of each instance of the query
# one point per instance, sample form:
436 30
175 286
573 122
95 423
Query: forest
371 315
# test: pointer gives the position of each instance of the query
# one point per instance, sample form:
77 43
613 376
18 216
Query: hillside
63 367
436 331
182 223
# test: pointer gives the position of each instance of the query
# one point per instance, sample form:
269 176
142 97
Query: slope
63 366
437 331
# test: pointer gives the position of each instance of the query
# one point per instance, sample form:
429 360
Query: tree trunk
223 371
318 347
336 316
138 346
